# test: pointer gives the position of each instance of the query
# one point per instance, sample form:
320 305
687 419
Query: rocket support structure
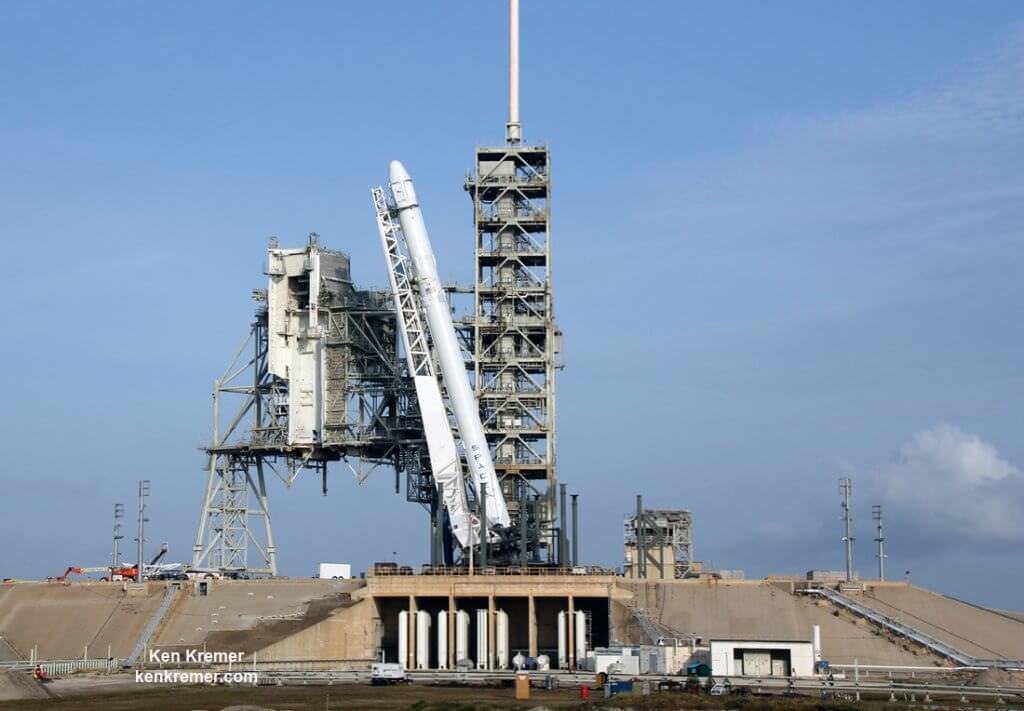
442 330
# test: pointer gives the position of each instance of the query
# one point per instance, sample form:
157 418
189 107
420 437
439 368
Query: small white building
781 658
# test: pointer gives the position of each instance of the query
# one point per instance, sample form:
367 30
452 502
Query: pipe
524 546
436 557
575 530
513 129
483 527
563 539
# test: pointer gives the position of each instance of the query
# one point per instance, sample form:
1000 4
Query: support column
451 629
410 660
531 614
490 632
571 633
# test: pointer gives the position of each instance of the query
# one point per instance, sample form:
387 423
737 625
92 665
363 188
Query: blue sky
787 249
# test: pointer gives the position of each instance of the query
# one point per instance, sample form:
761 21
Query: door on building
757 663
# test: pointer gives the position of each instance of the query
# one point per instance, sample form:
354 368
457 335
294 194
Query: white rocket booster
453 368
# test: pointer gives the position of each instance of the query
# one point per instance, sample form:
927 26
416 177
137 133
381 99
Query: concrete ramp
250 615
758 610
977 631
63 620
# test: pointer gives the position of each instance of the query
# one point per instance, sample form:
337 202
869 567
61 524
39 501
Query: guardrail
63 667
392 570
911 691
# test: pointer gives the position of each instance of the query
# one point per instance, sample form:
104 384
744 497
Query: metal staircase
151 627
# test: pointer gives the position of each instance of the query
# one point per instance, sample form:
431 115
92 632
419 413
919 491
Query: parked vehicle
387 673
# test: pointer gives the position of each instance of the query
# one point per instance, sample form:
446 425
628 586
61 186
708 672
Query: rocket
453 367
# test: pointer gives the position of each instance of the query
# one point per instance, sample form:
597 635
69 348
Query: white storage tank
442 639
481 639
403 638
563 642
543 662
461 636
422 639
581 637
501 638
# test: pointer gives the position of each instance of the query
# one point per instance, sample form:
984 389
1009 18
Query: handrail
924 639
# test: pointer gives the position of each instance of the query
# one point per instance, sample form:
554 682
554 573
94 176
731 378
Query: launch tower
515 342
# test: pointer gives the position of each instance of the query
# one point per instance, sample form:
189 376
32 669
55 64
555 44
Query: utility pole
141 540
115 560
876 513
846 490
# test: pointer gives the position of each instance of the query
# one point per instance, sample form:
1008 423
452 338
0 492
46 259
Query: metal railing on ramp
941 648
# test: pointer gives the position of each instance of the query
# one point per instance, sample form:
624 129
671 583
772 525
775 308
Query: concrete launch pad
350 623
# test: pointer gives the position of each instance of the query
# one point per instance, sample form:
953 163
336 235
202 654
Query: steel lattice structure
516 344
369 414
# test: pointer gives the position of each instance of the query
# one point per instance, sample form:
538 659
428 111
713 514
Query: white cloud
952 485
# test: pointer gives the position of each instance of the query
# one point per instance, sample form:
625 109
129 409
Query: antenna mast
513 129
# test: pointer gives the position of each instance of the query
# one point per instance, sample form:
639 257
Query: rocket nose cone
397 172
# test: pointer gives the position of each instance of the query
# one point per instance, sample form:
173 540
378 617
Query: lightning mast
876 513
846 491
115 559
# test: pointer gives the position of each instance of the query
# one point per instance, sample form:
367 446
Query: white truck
387 673
335 570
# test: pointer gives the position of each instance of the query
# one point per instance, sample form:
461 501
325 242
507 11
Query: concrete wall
350 633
